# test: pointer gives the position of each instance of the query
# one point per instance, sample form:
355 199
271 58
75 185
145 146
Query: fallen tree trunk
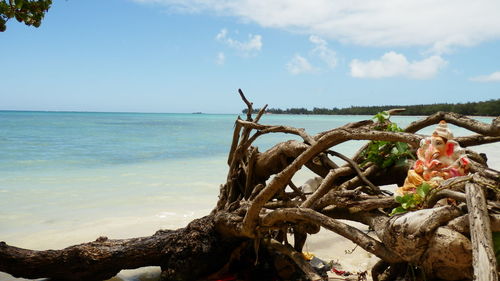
259 206
184 254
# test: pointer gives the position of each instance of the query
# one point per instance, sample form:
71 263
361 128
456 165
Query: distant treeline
483 108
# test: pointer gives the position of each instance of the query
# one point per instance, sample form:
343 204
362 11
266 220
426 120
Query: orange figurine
439 158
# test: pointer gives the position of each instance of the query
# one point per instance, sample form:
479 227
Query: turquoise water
68 177
40 141
44 140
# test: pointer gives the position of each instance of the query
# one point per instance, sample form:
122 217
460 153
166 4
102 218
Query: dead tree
259 205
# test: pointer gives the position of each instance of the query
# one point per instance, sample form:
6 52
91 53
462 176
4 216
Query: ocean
70 177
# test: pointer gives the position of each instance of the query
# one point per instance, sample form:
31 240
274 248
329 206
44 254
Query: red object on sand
338 272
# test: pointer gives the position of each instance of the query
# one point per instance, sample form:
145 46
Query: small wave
190 214
166 214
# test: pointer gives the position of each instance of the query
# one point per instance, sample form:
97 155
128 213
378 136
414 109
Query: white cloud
254 43
221 35
322 51
221 58
298 65
493 77
437 25
393 64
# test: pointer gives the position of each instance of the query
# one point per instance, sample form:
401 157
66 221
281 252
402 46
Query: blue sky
193 55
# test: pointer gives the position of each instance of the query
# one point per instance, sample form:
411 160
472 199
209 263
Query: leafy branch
385 153
31 12
412 201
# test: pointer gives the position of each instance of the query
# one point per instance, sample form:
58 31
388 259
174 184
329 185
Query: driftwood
259 206
197 244
483 256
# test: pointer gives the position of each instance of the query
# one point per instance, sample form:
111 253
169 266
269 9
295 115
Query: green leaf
402 147
411 156
394 151
382 143
399 199
19 4
400 162
397 210
381 116
407 197
421 192
423 189
387 162
385 153
2 25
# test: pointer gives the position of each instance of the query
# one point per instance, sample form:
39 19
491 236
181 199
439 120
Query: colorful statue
439 158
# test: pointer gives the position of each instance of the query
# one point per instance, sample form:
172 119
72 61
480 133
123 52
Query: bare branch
265 129
248 103
460 120
352 125
357 205
297 190
475 140
234 143
261 112
462 225
326 185
366 242
356 181
444 193
355 166
395 111
249 172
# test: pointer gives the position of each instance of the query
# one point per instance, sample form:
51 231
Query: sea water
70 177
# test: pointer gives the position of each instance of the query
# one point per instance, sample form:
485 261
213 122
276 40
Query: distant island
483 108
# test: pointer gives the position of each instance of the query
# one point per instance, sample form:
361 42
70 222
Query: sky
193 55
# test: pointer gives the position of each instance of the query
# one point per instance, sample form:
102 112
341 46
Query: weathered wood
483 256
304 214
248 103
475 140
357 205
462 225
355 166
306 268
175 251
234 143
326 185
457 119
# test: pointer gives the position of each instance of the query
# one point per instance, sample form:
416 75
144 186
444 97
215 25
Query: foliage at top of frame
31 12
